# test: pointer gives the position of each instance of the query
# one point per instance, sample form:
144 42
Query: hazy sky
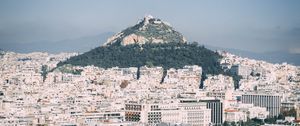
253 25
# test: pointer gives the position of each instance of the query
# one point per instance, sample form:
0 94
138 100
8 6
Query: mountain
272 57
148 30
150 42
172 51
82 44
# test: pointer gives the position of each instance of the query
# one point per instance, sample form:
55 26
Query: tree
232 124
226 123
258 121
271 120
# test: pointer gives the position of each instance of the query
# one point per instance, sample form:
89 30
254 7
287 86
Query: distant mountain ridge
272 57
81 44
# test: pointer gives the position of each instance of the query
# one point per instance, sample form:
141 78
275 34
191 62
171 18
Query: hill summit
147 30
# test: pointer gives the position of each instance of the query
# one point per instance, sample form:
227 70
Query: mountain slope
167 55
148 30
272 57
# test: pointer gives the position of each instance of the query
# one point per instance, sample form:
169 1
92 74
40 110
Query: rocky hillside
148 30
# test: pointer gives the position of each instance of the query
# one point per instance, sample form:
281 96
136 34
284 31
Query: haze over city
255 26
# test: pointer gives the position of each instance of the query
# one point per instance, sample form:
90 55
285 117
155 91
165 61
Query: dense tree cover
166 55
249 122
281 117
169 55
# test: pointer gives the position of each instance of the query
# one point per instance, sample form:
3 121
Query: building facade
216 107
271 102
183 112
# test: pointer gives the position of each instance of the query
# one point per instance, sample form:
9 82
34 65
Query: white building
185 111
234 115
271 101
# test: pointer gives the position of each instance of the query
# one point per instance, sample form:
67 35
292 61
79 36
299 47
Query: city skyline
149 63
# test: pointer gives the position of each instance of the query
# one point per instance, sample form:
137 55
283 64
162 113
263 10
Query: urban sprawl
117 96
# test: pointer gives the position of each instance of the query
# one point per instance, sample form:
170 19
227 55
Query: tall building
216 107
270 101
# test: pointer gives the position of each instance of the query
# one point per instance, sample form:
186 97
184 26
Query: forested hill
151 42
167 55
